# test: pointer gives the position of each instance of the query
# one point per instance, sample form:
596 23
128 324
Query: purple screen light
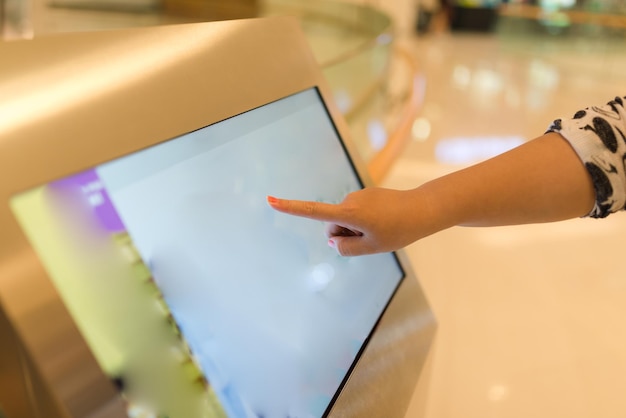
92 188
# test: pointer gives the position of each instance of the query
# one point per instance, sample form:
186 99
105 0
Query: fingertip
336 244
272 201
340 245
351 246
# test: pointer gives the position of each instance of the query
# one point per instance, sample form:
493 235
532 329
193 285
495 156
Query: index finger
320 211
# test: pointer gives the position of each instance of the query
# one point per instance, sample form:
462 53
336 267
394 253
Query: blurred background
531 318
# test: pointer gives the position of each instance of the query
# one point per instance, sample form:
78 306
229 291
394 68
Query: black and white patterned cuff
598 135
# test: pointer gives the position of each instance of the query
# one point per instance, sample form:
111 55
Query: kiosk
142 272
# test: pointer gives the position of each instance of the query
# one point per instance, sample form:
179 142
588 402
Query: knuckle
345 250
309 208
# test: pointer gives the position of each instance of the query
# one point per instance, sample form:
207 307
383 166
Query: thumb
349 246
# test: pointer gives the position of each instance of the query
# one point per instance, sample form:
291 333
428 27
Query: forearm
540 181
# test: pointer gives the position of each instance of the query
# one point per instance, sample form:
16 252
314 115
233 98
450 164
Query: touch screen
196 298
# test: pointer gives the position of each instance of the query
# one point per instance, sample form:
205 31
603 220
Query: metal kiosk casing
70 102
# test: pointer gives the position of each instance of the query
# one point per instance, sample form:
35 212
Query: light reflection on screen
195 297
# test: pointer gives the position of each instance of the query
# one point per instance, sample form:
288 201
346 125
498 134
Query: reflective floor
531 318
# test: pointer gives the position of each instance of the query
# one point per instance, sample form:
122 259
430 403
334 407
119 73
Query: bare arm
540 181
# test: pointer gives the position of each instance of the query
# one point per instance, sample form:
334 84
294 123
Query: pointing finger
308 209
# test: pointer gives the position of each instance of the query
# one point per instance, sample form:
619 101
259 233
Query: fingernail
332 243
272 200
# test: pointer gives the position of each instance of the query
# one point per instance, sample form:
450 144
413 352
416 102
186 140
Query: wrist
433 213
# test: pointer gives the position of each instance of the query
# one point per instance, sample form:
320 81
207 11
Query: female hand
367 221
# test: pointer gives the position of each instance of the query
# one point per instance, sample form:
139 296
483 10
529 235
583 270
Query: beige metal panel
385 377
70 102
23 391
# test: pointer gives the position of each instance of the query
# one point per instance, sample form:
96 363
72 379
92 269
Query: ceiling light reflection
543 75
384 39
343 100
487 81
461 76
498 393
377 134
421 129
320 277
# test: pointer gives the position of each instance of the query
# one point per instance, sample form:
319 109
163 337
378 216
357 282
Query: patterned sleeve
598 135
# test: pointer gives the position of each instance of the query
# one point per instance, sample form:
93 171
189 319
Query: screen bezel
153 88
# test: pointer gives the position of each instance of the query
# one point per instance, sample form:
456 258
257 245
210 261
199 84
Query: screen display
195 297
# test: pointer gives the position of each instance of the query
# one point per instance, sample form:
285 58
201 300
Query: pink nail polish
272 200
331 243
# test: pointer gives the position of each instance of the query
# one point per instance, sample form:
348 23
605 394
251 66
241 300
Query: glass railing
353 46
374 83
